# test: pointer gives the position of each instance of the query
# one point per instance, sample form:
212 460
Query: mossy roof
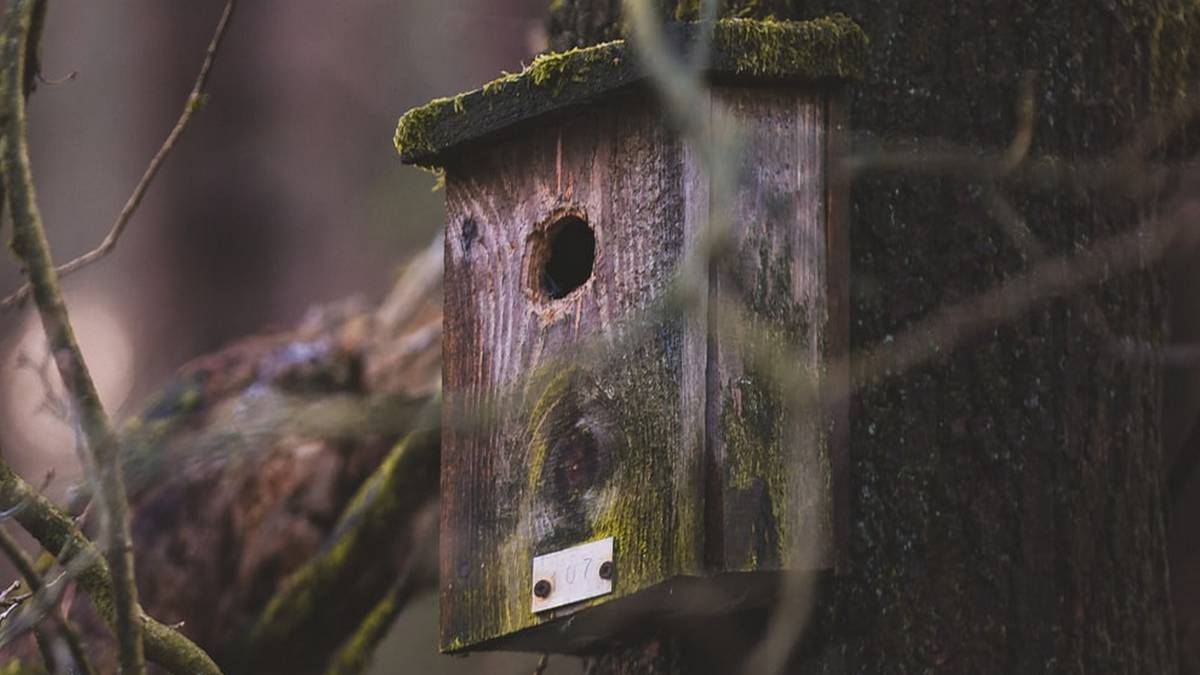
828 49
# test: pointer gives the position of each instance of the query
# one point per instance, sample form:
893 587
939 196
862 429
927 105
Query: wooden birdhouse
621 442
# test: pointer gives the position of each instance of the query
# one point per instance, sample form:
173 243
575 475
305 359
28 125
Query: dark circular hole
572 253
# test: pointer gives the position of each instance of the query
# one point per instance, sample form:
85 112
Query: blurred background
284 193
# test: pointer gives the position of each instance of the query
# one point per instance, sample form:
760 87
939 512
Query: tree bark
1008 510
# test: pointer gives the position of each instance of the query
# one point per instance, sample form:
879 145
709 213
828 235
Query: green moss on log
406 479
830 48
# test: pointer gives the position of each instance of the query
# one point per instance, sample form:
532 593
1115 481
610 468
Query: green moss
356 654
397 486
631 401
417 132
656 529
759 431
828 48
413 130
752 423
689 10
1174 52
555 394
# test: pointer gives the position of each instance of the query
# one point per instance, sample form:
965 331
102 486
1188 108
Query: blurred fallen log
241 466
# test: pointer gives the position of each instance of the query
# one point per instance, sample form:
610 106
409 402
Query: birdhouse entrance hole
568 256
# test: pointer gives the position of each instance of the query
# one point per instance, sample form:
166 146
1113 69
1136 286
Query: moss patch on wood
630 405
833 48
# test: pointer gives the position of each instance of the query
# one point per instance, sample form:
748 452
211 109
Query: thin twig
195 101
948 328
57 531
16 583
1174 356
714 136
33 66
51 403
31 247
939 335
58 80
45 645
42 602
34 581
940 158
13 606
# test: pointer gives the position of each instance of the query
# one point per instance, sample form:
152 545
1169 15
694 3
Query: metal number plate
572 575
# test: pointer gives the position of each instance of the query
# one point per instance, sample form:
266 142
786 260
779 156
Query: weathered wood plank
569 419
771 314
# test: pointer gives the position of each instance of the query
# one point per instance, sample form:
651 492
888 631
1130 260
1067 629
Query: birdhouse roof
833 48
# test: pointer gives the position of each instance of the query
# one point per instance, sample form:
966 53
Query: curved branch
31 247
194 101
35 583
56 531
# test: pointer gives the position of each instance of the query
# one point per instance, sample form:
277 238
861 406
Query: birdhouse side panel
770 436
571 404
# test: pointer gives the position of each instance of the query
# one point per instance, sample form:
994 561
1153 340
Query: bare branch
1175 356
31 247
940 158
195 101
33 68
56 531
947 329
34 581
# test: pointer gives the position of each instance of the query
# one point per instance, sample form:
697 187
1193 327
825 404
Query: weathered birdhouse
620 443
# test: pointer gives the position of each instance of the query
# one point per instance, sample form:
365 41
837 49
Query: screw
606 569
542 588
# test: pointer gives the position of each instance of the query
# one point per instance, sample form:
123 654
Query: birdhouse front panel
574 386
639 421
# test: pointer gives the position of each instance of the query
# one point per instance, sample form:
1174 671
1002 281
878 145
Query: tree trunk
1008 510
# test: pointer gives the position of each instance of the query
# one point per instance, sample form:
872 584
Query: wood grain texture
617 410
770 320
565 419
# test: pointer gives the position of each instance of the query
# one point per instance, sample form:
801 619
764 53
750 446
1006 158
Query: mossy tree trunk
1007 500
